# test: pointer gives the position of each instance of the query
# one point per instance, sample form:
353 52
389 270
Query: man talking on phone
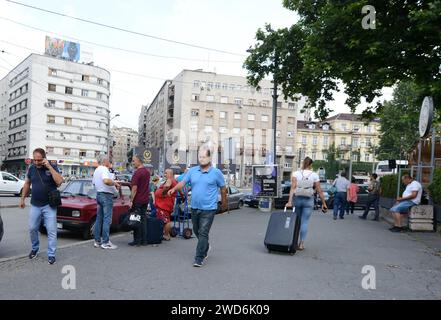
44 178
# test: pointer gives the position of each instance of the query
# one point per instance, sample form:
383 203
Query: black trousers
373 200
140 234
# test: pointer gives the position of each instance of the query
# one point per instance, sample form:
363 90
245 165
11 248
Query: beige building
124 140
199 107
348 132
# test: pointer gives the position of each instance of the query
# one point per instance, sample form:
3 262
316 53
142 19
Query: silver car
235 198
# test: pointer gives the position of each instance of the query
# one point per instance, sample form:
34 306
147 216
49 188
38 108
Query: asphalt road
239 266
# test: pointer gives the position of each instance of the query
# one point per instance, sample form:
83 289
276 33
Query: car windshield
80 188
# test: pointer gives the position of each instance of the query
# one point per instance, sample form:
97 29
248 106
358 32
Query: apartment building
124 140
58 105
348 132
199 107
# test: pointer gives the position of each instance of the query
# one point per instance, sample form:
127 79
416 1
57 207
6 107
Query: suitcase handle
293 209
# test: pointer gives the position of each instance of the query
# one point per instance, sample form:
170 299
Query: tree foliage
329 46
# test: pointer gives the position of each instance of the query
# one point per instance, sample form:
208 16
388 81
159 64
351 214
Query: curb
9 206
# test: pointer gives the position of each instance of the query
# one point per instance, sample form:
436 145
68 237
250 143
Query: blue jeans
340 204
49 216
103 217
403 207
304 207
202 221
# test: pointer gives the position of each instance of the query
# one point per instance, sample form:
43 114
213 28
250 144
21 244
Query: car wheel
19 194
88 232
240 205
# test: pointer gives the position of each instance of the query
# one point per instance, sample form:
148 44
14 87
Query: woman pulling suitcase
302 186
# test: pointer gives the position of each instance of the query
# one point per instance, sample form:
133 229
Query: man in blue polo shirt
205 181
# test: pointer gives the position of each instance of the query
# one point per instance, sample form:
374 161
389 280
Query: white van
383 167
10 184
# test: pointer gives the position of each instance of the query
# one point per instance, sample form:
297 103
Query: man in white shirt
411 197
105 187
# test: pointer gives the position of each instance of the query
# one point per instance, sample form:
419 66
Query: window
195 97
291 120
8 177
85 78
66 152
195 113
344 127
50 150
290 134
311 126
325 141
209 113
292 106
217 86
99 95
232 87
356 127
224 86
314 156
68 90
210 98
51 103
368 142
196 84
238 102
237 116
314 140
367 158
304 140
50 119
236 130
251 117
52 72
326 127
100 81
68 121
355 142
68 105
210 85
223 129
325 156
265 118
223 115
252 102
84 93
224 100
264 103
52 87
343 141
279 105
369 129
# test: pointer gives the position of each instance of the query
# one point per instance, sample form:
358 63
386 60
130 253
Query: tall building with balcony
348 132
142 127
125 139
199 107
58 105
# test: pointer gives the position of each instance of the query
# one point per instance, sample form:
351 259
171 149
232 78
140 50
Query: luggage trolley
181 222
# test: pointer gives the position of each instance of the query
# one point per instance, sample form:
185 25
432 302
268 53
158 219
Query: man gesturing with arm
205 182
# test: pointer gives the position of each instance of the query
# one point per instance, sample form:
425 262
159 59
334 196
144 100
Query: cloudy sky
227 25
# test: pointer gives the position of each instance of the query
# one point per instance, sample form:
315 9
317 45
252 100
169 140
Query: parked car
250 200
280 202
1 228
78 209
10 184
236 199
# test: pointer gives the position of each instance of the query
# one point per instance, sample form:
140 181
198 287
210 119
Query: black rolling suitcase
155 230
283 232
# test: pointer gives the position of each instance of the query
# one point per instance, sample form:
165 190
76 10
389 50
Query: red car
78 210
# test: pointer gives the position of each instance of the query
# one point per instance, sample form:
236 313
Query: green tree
399 122
329 46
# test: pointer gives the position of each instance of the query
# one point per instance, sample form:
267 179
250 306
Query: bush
389 186
435 187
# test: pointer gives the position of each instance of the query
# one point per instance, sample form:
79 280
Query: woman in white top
302 186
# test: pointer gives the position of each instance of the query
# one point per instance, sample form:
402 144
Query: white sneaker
96 244
109 246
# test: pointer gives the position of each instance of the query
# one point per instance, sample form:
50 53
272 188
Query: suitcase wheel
188 233
173 232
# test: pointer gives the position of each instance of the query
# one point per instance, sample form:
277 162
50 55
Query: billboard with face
62 49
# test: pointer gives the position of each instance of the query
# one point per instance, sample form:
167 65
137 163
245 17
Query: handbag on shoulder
54 196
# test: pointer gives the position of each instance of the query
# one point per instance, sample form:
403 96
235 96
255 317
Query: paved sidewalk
239 266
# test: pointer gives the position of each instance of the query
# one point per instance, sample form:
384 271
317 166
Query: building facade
124 140
347 132
58 105
203 107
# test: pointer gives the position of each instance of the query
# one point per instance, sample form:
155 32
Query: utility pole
275 97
